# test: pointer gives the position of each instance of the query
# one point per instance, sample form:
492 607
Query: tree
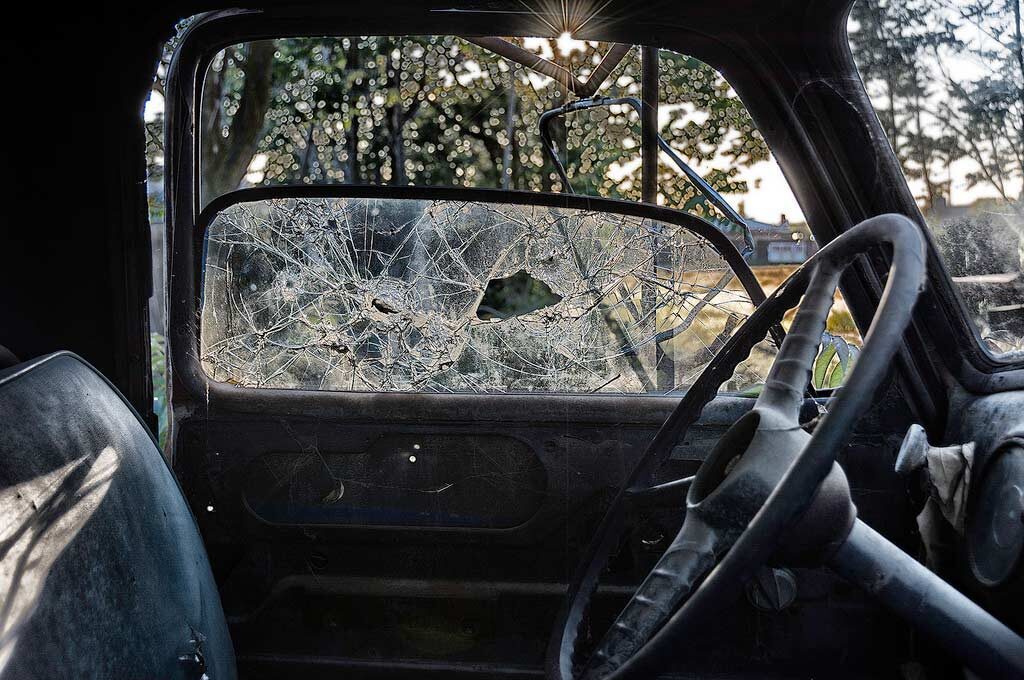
892 41
234 106
442 111
707 125
986 109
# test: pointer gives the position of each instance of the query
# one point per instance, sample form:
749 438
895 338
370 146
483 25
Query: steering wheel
771 491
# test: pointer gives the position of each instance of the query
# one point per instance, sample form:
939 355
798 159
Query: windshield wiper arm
699 182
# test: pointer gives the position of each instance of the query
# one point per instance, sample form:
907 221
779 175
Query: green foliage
752 392
515 295
158 367
835 359
442 111
840 322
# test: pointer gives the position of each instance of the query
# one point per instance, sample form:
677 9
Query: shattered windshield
947 81
458 296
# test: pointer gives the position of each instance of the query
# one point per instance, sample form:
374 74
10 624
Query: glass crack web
383 295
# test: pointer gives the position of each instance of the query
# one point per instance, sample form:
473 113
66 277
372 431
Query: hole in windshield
515 295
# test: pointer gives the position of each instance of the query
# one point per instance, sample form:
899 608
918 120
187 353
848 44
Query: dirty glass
947 82
406 295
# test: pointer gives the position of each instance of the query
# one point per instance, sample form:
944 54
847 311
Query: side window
392 294
947 83
632 307
444 111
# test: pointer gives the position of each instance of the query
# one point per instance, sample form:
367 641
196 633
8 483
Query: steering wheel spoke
907 587
666 495
678 572
791 371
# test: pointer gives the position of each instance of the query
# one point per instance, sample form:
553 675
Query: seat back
103 573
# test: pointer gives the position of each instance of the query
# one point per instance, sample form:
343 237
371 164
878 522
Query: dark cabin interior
311 598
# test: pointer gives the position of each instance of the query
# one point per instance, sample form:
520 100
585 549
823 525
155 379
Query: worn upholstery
102 570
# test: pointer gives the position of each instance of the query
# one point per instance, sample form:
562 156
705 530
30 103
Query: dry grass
839 320
691 348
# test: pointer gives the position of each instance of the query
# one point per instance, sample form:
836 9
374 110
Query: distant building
782 243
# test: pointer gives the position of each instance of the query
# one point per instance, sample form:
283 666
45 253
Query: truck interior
458 339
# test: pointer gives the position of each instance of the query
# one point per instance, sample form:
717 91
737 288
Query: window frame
199 45
809 142
200 381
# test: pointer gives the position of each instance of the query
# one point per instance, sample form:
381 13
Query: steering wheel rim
703 586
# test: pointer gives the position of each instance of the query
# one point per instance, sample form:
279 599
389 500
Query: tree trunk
1018 49
353 169
924 157
225 160
396 144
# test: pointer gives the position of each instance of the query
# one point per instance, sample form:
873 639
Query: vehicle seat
103 573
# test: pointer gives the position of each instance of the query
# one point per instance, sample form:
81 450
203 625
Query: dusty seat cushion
102 570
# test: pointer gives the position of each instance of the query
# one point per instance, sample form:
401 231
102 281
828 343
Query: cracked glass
380 295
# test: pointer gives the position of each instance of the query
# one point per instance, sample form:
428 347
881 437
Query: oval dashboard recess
419 480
